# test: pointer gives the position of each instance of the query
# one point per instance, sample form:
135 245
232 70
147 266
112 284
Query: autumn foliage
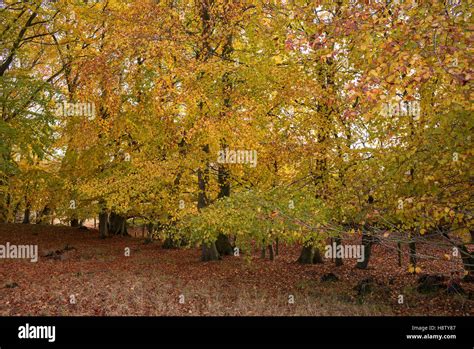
236 126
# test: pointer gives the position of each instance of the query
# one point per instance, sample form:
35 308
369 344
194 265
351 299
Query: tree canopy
258 121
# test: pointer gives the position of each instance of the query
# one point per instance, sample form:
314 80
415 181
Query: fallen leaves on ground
94 277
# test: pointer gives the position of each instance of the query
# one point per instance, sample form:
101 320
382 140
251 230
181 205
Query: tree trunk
306 255
468 262
317 258
169 243
466 257
74 222
209 252
338 260
310 255
26 216
367 243
44 215
271 252
3 213
412 252
5 209
118 224
223 180
15 212
149 232
4 201
103 224
399 248
113 223
223 245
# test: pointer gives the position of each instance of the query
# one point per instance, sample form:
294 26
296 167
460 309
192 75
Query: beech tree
241 123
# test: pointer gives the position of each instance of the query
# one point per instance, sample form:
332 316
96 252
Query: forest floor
94 277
